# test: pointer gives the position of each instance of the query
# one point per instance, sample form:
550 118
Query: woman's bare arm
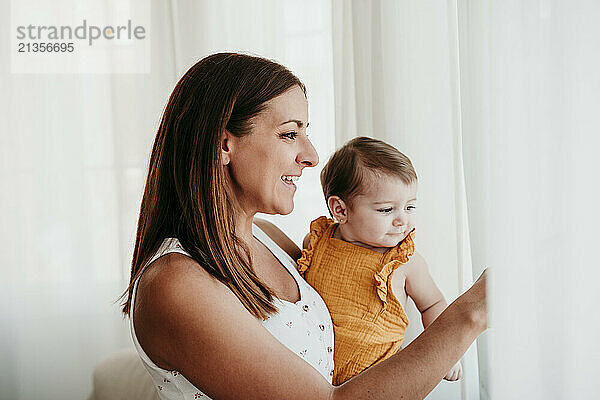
188 321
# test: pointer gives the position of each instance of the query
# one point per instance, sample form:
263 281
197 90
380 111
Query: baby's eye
290 135
385 210
411 208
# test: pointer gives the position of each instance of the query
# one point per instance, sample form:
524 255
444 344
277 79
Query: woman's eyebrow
298 122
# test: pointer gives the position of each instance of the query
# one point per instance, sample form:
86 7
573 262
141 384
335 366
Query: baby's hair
348 170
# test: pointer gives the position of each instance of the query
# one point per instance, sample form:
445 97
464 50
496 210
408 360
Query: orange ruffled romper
355 283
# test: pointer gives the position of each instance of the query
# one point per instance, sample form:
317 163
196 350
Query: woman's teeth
290 178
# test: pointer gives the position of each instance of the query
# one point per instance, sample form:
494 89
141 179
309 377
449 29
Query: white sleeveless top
304 327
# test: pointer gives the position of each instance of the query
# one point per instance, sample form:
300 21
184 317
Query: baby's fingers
454 374
450 375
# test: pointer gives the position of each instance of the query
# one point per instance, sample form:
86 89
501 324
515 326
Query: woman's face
265 164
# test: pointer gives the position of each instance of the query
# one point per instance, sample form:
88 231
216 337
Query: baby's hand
455 373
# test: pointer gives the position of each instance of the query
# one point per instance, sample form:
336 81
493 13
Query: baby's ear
306 241
338 209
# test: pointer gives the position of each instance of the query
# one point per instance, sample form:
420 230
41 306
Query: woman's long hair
186 195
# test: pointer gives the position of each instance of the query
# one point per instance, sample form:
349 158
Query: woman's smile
289 180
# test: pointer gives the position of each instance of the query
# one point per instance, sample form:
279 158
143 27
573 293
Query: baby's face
384 215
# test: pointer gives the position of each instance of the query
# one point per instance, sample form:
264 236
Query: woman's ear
338 209
226 143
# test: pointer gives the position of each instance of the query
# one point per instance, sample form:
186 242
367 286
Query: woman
217 308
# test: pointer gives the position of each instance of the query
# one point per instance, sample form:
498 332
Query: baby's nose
399 220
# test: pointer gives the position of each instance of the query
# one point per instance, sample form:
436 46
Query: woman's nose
307 155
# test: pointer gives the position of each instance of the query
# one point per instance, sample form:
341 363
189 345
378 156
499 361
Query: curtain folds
530 104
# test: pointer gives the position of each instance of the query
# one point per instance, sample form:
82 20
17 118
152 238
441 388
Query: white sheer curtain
531 102
74 151
397 78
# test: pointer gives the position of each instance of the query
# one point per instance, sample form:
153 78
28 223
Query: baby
365 266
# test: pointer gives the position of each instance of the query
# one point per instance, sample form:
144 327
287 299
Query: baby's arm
423 290
428 298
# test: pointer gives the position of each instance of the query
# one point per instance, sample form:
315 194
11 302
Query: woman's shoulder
172 270
173 275
167 285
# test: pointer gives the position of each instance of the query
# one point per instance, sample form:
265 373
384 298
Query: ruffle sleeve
399 255
317 228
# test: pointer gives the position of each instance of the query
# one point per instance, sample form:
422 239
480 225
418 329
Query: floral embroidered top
355 282
303 327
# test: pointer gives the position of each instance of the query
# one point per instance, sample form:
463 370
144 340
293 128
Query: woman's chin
281 209
287 210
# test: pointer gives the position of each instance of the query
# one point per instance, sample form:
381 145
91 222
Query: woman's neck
243 226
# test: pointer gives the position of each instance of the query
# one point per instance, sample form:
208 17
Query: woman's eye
385 210
290 135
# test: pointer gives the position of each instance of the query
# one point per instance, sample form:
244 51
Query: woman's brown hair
185 194
345 174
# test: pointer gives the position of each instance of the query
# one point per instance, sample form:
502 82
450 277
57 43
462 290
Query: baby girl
364 265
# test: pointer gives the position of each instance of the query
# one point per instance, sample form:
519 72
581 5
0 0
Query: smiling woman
269 160
216 304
